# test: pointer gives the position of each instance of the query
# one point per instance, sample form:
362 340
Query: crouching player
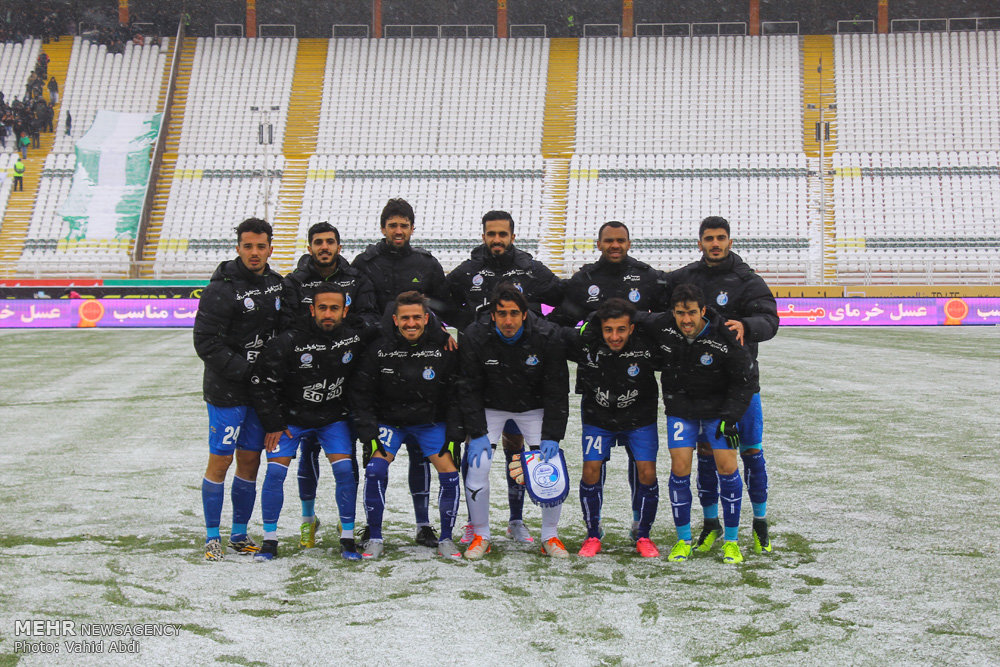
299 389
620 396
513 367
404 389
706 388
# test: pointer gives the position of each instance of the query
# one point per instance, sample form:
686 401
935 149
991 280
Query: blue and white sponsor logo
519 288
477 280
428 373
633 370
346 359
306 358
545 475
634 296
706 359
277 303
531 361
248 303
722 299
593 290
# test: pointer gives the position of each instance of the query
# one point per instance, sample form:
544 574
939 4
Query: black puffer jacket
709 378
300 284
637 282
525 375
237 314
407 384
473 281
301 377
392 272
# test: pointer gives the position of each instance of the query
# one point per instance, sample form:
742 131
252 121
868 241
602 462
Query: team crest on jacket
347 300
593 290
346 359
306 360
477 280
634 296
532 360
248 303
428 373
722 299
633 370
706 359
519 288
277 303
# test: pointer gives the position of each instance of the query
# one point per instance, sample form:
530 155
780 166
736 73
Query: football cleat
467 535
555 548
447 549
349 549
426 537
646 548
307 533
711 530
731 553
479 547
213 550
518 532
373 550
242 544
761 542
591 547
268 551
680 553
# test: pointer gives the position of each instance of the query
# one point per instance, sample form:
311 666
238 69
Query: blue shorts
689 432
751 426
643 442
429 437
234 428
335 438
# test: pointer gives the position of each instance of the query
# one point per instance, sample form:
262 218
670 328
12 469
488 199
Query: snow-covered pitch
882 448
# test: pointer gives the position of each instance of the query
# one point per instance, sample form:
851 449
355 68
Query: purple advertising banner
103 313
179 313
888 311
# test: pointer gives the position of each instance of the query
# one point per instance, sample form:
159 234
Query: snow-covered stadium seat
16 64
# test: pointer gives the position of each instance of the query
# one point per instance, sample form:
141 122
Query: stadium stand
433 96
7 161
16 63
661 95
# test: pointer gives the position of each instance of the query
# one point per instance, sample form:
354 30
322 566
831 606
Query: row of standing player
230 338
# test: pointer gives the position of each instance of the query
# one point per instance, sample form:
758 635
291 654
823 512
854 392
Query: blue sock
376 480
420 484
308 508
272 496
649 500
308 476
212 494
708 486
633 485
448 502
591 499
515 491
680 503
755 469
243 496
731 487
347 492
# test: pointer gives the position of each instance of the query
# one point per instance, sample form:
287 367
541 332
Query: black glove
731 432
451 447
375 445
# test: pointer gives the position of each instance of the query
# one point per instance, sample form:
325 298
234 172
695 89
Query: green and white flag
112 171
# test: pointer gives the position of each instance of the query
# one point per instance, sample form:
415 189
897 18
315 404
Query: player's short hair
507 292
329 288
687 292
615 307
410 298
254 226
714 222
399 207
323 228
498 215
614 224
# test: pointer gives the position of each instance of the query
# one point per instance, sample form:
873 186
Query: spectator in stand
53 91
18 176
69 124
